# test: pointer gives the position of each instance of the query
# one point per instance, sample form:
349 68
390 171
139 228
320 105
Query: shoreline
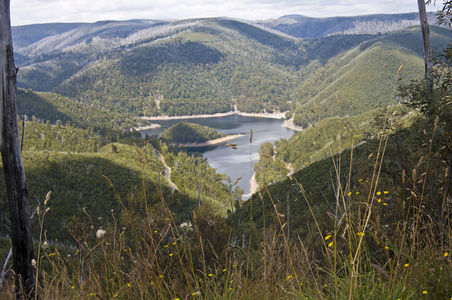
253 187
289 124
208 143
280 115
146 127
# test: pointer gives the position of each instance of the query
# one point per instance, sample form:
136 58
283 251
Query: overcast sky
47 11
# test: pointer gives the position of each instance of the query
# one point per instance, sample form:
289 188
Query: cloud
46 11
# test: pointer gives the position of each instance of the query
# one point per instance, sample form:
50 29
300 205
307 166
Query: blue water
240 162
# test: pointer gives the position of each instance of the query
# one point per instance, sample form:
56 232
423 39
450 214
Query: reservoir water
240 162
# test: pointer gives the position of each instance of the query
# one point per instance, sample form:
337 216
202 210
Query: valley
289 158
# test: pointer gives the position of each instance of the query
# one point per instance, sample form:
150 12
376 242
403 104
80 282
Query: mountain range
199 66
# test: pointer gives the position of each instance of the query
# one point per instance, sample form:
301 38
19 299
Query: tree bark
426 37
16 186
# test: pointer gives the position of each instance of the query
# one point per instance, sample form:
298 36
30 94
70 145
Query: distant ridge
210 65
308 27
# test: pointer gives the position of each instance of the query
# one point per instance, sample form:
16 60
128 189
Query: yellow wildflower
328 237
446 254
406 265
289 277
210 275
349 193
51 254
360 234
425 292
171 254
378 193
330 244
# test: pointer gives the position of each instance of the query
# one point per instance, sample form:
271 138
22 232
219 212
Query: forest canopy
185 132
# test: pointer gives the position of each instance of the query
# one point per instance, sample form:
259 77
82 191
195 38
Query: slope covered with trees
185 132
370 222
204 66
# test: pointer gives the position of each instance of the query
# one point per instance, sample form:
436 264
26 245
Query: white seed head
47 198
100 233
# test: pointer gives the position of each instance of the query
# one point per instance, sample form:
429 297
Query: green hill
185 132
54 107
364 76
204 66
191 67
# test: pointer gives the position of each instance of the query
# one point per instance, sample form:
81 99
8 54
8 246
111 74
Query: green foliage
189 172
332 135
370 222
54 107
185 132
89 175
174 71
143 60
347 79
269 169
433 131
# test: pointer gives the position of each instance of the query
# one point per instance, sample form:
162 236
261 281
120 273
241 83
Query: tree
16 185
426 37
433 99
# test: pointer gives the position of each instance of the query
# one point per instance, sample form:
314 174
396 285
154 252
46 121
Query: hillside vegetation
355 206
205 66
56 108
307 27
362 77
185 132
88 174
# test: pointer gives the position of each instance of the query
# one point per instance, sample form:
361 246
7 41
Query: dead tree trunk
426 37
16 185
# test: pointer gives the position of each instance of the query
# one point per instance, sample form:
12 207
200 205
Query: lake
240 162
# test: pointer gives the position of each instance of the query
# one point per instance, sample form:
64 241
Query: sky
48 11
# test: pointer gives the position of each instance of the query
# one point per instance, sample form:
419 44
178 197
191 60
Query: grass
376 245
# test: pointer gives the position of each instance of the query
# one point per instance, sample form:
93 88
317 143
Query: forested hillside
56 108
307 27
185 132
204 66
96 174
357 205
363 77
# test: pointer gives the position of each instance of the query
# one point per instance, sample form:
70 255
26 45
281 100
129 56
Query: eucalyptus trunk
16 186
426 37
